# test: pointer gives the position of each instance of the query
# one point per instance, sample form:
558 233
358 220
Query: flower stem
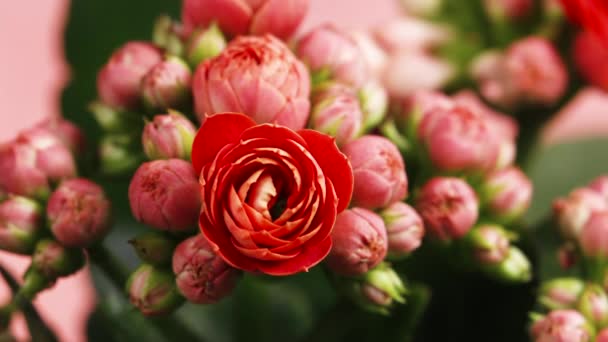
171 327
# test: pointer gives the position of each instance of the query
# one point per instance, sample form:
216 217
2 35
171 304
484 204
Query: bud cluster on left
46 211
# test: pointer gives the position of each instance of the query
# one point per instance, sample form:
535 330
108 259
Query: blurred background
39 59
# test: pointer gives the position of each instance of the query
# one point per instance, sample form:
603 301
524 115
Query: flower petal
309 257
216 132
334 164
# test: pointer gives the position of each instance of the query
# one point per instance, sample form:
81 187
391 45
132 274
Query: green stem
171 327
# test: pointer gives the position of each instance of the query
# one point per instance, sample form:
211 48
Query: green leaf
560 168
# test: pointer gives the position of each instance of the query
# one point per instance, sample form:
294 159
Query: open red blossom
591 14
270 194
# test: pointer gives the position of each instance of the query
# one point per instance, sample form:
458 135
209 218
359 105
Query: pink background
32 73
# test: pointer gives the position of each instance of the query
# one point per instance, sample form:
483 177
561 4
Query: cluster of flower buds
46 212
578 308
529 72
582 218
270 196
142 79
192 66
471 193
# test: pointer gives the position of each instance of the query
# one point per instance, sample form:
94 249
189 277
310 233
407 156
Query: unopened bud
204 44
593 304
404 228
20 224
377 290
168 136
165 194
202 276
54 260
336 112
79 213
379 170
153 291
562 325
561 293
490 244
515 268
119 154
118 82
507 194
359 242
373 99
154 248
167 84
448 206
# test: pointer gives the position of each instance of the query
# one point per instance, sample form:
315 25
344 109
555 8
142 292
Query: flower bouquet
246 179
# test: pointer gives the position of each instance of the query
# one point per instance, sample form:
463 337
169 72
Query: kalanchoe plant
337 150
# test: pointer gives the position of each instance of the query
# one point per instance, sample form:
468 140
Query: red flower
591 59
270 194
591 14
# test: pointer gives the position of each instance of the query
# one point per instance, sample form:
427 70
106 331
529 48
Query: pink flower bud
590 56
600 185
153 291
20 174
404 228
33 160
409 71
168 136
67 132
165 195
409 33
257 76
504 128
572 212
594 235
336 112
79 213
333 54
490 244
379 171
202 276
118 82
167 84
561 293
21 223
54 260
237 17
458 139
359 242
373 99
204 44
52 156
531 71
507 194
448 206
562 325
377 290
593 304
508 9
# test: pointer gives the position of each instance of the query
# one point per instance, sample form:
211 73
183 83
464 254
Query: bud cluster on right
577 307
